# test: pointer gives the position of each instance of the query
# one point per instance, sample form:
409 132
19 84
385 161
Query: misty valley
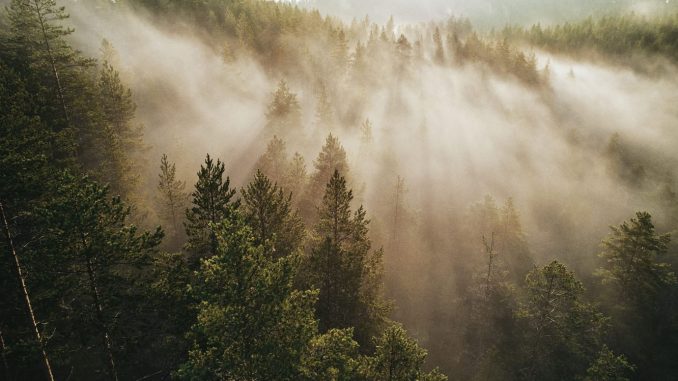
346 190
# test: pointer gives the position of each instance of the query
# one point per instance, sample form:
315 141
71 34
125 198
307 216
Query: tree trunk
27 299
4 358
55 72
100 319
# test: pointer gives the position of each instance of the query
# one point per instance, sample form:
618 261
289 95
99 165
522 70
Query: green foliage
639 296
252 324
631 257
269 213
211 205
172 198
398 357
615 36
343 267
331 158
122 137
87 264
499 55
609 367
562 332
35 46
284 112
331 356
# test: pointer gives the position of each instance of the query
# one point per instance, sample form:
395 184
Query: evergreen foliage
212 204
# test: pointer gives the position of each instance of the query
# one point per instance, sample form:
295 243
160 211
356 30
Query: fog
455 134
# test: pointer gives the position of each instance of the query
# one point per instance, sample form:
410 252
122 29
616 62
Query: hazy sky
485 12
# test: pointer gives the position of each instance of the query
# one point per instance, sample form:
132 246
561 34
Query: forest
260 190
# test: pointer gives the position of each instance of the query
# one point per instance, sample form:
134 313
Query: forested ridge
325 218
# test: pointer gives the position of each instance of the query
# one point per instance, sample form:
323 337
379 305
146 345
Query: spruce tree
268 212
331 158
212 204
284 112
172 197
273 163
344 268
296 178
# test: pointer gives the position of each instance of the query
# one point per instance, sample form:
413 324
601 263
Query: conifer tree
284 112
331 158
252 324
212 203
399 358
21 277
562 332
632 263
296 178
344 268
92 258
37 48
172 197
38 35
273 163
122 138
268 211
332 356
640 288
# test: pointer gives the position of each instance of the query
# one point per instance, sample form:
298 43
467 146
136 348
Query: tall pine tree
344 268
212 203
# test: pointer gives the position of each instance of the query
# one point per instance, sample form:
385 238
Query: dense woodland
116 264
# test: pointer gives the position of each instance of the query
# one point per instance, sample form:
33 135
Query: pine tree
268 211
609 367
252 324
398 358
122 138
344 268
631 260
562 333
640 292
296 178
21 277
332 356
37 48
273 163
284 112
331 158
212 204
172 197
92 258
37 34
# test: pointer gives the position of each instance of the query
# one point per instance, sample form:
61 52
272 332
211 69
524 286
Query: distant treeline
613 35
